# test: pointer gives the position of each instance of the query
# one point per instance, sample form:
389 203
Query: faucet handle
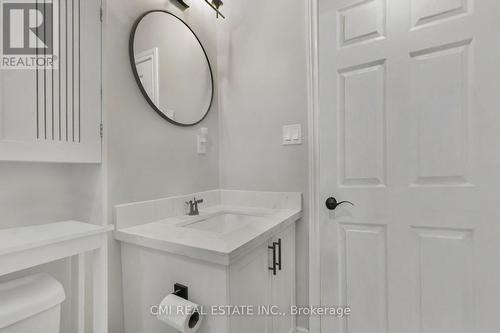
189 205
193 206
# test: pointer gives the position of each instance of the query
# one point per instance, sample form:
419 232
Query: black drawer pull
274 258
279 253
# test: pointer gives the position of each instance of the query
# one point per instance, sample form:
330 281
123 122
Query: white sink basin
223 223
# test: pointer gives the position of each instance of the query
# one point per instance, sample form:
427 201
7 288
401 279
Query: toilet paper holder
187 321
181 291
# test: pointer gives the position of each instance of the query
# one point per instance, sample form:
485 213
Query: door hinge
101 130
101 14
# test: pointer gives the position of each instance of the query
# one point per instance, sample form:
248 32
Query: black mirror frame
136 75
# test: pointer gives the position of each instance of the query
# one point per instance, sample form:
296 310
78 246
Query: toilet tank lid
28 296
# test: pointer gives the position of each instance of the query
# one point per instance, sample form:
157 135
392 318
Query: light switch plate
292 135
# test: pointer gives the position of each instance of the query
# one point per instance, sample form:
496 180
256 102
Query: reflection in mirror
171 68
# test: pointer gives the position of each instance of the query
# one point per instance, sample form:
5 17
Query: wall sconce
214 4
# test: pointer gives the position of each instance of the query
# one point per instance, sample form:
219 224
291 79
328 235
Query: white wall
262 68
33 193
148 157
37 193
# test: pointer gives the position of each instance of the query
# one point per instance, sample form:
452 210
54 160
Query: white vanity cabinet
224 256
149 275
252 282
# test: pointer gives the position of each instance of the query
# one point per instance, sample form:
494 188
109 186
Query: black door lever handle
332 203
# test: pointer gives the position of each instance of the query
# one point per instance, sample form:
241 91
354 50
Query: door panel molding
363 276
354 28
362 145
443 270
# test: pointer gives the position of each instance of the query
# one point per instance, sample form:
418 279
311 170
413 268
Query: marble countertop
171 235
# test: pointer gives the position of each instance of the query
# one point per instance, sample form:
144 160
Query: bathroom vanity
239 250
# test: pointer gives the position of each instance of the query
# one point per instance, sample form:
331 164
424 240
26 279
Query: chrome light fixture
214 4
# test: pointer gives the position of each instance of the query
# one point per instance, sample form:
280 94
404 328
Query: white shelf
25 247
22 248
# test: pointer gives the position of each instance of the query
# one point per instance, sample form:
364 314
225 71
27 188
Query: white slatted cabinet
55 115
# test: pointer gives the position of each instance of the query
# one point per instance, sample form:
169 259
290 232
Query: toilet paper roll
180 314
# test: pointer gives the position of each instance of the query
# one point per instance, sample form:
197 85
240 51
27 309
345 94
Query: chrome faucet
193 206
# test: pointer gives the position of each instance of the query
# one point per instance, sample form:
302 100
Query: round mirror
171 68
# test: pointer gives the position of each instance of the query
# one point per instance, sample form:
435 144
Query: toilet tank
31 304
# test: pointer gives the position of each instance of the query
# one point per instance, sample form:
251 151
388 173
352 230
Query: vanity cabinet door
250 284
283 284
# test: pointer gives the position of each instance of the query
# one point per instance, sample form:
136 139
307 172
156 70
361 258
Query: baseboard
301 330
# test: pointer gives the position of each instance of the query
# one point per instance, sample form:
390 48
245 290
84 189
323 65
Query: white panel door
146 64
410 133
